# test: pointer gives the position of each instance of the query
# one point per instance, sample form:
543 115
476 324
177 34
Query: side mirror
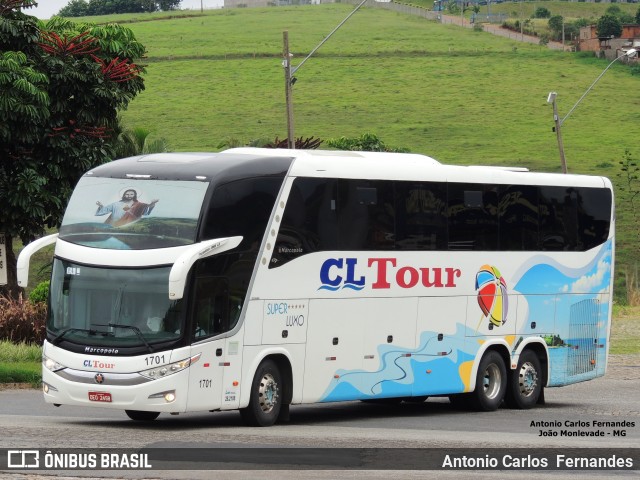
26 254
182 265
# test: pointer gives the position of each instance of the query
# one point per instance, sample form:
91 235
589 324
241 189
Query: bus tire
265 398
525 382
491 382
141 416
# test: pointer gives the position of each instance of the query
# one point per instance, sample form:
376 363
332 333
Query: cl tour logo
382 273
492 295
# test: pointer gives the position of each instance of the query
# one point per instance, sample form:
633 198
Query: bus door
210 317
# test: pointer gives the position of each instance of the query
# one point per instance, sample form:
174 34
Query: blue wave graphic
329 287
350 286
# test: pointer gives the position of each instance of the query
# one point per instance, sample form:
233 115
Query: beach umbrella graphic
492 295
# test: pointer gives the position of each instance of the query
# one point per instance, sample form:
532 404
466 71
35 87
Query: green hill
461 96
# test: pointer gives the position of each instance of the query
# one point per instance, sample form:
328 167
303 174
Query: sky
47 8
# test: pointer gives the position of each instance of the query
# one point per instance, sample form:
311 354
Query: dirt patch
17 386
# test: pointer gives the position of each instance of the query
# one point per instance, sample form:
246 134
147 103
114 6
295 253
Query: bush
368 142
19 352
542 12
22 321
40 294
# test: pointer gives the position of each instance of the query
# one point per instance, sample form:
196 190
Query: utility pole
558 122
286 63
290 71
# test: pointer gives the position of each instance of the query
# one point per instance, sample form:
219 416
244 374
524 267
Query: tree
75 8
138 141
61 87
542 12
555 25
637 18
608 26
615 11
79 8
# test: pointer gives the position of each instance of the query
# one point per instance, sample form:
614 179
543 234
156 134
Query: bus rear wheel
140 416
265 398
491 383
525 383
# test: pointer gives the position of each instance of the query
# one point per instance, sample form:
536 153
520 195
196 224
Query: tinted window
558 218
326 214
366 215
594 216
421 216
519 218
242 208
473 216
219 291
309 222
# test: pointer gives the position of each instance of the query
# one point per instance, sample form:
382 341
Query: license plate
100 397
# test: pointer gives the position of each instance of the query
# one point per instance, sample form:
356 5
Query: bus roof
411 166
194 166
246 162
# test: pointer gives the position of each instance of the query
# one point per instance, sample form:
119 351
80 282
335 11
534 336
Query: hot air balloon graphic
492 295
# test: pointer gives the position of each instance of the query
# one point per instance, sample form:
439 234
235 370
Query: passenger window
309 222
559 218
594 216
473 216
519 218
421 210
366 215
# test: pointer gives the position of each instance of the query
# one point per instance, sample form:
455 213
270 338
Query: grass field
20 363
568 9
461 96
625 330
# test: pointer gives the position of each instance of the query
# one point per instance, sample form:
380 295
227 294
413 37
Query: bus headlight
166 370
169 396
51 364
46 388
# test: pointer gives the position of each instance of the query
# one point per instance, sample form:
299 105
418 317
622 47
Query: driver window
211 315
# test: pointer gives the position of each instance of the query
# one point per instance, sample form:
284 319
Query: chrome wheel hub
527 379
268 393
491 381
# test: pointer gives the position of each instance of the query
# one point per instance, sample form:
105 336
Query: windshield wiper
135 329
58 337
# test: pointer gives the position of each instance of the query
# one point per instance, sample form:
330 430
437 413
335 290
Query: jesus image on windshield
126 210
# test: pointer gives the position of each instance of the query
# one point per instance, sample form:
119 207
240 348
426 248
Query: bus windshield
123 214
109 307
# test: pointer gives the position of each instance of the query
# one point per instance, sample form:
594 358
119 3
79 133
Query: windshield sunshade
124 214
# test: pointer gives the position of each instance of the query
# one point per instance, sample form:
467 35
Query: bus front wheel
491 382
265 398
525 383
141 416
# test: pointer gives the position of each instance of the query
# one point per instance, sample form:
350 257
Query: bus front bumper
117 391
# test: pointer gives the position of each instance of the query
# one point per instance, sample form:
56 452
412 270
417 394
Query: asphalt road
27 422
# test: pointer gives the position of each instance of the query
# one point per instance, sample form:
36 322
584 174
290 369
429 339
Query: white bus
258 279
